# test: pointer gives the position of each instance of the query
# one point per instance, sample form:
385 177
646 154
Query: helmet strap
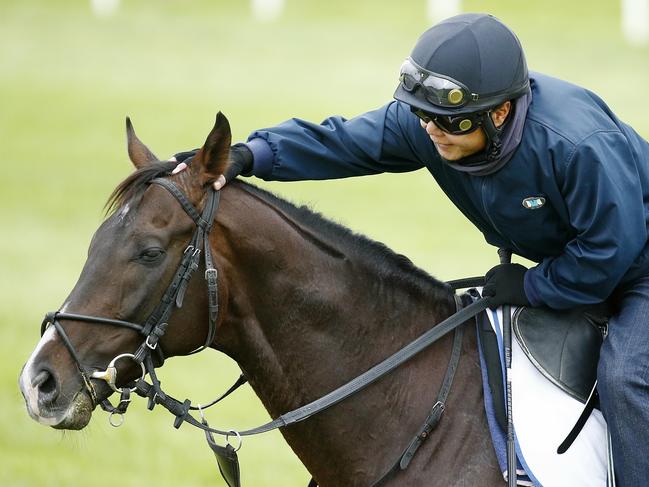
494 143
493 148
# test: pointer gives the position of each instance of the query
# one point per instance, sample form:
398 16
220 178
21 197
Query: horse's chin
78 413
75 416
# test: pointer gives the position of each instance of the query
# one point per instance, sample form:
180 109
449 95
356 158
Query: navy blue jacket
592 170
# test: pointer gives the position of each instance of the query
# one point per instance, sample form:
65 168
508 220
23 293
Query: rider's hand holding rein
505 284
240 163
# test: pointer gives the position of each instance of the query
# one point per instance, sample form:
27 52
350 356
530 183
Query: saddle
563 345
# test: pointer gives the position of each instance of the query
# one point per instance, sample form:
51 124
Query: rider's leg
623 378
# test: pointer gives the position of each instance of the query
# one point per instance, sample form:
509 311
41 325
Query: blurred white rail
267 10
437 10
634 16
104 8
635 21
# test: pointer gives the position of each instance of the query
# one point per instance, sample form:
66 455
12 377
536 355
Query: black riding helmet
469 63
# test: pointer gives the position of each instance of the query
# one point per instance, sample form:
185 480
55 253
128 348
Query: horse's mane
389 264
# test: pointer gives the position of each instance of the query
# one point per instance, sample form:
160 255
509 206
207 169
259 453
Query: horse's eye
149 256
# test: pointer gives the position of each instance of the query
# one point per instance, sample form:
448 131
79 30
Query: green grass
68 79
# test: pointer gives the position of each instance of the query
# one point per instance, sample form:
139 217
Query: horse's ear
139 153
215 153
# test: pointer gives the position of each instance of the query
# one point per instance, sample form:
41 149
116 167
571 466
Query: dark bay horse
305 306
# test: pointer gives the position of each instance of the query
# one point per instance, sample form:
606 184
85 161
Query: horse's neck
306 330
301 305
304 318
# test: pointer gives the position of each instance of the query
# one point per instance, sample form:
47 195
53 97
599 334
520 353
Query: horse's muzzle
48 405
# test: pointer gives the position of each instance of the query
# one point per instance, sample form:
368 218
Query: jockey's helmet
465 64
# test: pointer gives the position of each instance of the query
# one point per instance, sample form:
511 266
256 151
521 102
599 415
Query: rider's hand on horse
240 163
504 284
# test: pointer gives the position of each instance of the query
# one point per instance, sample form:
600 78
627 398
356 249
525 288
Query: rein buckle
211 275
152 346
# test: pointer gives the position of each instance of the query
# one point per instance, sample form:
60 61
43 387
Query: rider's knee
619 379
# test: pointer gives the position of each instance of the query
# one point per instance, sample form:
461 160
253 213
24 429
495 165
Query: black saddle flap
563 345
227 460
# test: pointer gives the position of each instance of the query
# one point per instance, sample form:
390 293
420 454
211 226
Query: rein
180 410
156 324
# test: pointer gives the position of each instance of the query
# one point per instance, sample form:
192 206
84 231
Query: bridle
156 324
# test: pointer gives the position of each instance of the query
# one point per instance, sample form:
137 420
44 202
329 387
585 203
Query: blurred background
71 70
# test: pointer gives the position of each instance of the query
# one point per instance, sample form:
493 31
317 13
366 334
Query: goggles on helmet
437 89
455 125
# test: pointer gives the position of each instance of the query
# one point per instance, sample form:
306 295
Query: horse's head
132 259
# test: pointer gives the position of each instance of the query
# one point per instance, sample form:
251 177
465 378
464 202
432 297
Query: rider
540 166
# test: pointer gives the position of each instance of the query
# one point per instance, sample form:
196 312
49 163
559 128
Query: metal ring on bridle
118 423
127 355
110 374
227 439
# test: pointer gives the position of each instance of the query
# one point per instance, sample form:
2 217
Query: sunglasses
455 125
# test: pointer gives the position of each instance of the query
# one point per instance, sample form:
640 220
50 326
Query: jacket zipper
490 219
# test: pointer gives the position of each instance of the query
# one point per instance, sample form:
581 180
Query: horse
305 305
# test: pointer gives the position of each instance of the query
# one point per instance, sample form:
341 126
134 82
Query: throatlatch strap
239 382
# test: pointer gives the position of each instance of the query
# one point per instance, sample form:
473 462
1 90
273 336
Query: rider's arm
375 142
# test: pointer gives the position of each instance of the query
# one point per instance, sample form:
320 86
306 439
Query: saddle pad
543 415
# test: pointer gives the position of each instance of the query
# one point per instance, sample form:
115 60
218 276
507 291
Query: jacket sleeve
375 142
604 197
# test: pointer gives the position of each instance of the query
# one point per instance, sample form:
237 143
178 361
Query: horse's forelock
135 184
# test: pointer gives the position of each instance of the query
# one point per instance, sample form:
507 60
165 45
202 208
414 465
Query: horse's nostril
45 382
39 378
